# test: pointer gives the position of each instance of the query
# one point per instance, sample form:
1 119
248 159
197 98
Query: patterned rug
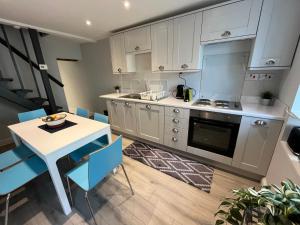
186 170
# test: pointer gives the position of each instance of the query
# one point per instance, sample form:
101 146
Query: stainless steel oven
214 132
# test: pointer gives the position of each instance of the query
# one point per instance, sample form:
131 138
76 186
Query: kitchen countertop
249 108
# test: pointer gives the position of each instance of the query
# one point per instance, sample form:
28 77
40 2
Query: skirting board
215 164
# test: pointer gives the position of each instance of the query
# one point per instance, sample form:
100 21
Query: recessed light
88 22
126 4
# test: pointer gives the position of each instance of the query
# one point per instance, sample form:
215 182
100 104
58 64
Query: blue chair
25 116
14 156
18 175
80 153
82 112
96 168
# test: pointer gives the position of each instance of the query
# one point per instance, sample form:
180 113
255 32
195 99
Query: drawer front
171 122
177 112
177 142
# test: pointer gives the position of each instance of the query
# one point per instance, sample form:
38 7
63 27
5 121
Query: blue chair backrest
100 117
103 161
82 112
25 116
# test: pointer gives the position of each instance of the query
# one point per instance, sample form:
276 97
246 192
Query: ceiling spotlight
88 22
126 4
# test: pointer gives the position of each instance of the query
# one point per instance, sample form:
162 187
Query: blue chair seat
20 174
77 155
14 156
80 175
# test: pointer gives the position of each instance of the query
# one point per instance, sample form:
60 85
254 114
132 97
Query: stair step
6 79
22 90
38 100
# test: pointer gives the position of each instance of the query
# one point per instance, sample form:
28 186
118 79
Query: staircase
19 95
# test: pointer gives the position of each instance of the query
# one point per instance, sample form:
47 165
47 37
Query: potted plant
267 98
117 89
271 205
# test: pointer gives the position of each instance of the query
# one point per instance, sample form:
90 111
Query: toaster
294 140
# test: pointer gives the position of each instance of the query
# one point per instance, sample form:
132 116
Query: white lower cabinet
256 144
129 118
150 122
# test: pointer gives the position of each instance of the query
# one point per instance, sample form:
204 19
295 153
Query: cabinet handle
127 104
137 48
176 110
175 131
270 62
184 66
174 139
260 123
119 70
148 106
227 33
161 68
175 121
113 102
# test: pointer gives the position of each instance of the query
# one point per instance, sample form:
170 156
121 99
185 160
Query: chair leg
127 178
70 163
89 206
70 193
7 209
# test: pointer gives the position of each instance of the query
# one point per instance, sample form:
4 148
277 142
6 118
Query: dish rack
153 95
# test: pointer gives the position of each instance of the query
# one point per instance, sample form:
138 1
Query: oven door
214 136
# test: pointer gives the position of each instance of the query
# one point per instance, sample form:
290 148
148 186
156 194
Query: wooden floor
159 200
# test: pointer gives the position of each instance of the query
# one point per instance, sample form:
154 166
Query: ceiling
67 17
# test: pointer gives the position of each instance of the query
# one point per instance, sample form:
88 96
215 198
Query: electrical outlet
252 76
269 76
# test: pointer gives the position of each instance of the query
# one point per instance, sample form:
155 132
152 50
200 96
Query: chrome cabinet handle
175 121
176 110
227 33
113 102
270 62
184 66
148 106
127 104
161 68
174 139
260 123
119 70
137 48
175 130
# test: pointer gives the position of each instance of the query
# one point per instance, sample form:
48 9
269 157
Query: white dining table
52 146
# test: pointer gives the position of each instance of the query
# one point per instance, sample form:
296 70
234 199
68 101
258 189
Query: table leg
59 187
15 138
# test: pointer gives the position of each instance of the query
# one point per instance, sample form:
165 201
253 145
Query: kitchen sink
133 96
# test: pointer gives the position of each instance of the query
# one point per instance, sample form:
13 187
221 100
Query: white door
232 20
256 144
138 40
129 118
116 114
162 46
186 51
118 56
150 122
277 34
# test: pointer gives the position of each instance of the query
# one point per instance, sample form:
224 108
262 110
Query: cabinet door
150 122
129 118
162 46
277 35
256 144
118 56
138 40
116 114
186 51
230 21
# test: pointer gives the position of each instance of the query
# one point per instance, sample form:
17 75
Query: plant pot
267 102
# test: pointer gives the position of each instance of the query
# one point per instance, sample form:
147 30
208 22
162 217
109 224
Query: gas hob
222 104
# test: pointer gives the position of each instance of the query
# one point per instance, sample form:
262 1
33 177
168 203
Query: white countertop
276 112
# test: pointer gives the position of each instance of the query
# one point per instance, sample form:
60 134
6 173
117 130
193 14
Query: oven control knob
174 139
176 110
175 130
175 121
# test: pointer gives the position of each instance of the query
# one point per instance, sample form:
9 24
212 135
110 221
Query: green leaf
296 200
252 192
277 189
235 213
222 212
231 221
225 203
219 222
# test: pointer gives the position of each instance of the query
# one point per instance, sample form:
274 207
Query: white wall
291 81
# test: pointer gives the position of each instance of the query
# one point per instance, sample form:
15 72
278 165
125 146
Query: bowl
55 120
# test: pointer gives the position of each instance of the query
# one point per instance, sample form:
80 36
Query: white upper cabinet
118 56
277 35
231 21
186 48
138 40
162 46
